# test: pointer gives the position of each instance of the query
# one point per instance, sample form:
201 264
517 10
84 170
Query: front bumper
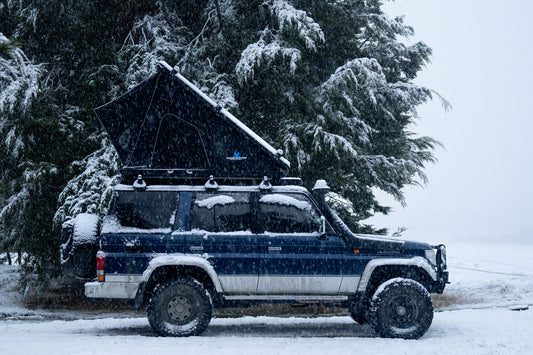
442 269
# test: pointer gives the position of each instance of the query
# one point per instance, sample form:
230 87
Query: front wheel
180 308
401 308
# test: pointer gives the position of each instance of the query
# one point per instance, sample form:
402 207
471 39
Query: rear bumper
113 290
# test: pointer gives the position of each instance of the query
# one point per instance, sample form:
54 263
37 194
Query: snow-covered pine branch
151 40
23 190
291 19
90 190
19 78
160 37
265 52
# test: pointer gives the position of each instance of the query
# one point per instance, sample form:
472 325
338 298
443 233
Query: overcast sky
481 187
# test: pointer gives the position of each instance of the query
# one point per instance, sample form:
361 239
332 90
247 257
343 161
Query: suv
179 249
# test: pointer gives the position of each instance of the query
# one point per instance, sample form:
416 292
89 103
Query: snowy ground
474 316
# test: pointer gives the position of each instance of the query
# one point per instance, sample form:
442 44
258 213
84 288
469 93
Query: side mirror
322 230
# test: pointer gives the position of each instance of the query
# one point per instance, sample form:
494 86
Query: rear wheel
401 308
179 308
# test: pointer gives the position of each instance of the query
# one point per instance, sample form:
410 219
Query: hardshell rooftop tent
165 127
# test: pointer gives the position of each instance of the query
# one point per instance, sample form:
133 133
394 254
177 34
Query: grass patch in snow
447 300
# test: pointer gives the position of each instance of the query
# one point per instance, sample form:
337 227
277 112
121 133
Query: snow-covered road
474 317
486 331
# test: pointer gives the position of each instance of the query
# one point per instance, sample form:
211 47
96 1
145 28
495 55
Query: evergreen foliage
328 81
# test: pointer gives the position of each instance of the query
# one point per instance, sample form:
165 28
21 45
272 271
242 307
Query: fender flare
417 261
182 260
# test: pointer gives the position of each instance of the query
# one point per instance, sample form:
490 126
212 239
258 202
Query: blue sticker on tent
236 156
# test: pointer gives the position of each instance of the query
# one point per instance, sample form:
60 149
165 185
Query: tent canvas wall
166 127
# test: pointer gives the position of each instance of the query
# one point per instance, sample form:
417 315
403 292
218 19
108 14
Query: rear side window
221 212
145 209
288 213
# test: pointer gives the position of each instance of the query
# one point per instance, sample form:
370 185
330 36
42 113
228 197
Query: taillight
100 266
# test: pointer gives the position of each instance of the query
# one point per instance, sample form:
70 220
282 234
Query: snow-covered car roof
221 188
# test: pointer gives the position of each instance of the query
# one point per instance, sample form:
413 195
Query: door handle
196 248
274 248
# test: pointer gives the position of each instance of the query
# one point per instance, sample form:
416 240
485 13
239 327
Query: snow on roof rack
167 128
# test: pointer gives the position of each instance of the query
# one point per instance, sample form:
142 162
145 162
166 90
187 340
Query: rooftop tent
166 127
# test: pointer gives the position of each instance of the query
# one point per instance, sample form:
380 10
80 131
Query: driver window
288 213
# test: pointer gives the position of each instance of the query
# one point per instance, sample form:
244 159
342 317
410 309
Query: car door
294 256
220 230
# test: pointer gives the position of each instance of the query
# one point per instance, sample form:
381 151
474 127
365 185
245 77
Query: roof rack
167 130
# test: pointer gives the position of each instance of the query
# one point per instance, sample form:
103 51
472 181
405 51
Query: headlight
431 256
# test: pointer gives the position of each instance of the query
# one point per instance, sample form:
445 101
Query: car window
221 212
288 213
145 210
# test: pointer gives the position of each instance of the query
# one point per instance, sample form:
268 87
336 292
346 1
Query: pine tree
328 81
46 121
19 80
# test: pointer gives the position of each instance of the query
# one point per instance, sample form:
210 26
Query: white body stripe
349 284
299 284
238 283
303 299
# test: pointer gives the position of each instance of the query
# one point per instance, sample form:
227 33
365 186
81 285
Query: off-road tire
180 308
78 248
401 308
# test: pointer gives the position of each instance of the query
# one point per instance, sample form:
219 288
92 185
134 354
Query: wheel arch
380 270
168 267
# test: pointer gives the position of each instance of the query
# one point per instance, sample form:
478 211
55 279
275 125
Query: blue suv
179 248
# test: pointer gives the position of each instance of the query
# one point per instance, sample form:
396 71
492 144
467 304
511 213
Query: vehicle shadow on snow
291 330
304 329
